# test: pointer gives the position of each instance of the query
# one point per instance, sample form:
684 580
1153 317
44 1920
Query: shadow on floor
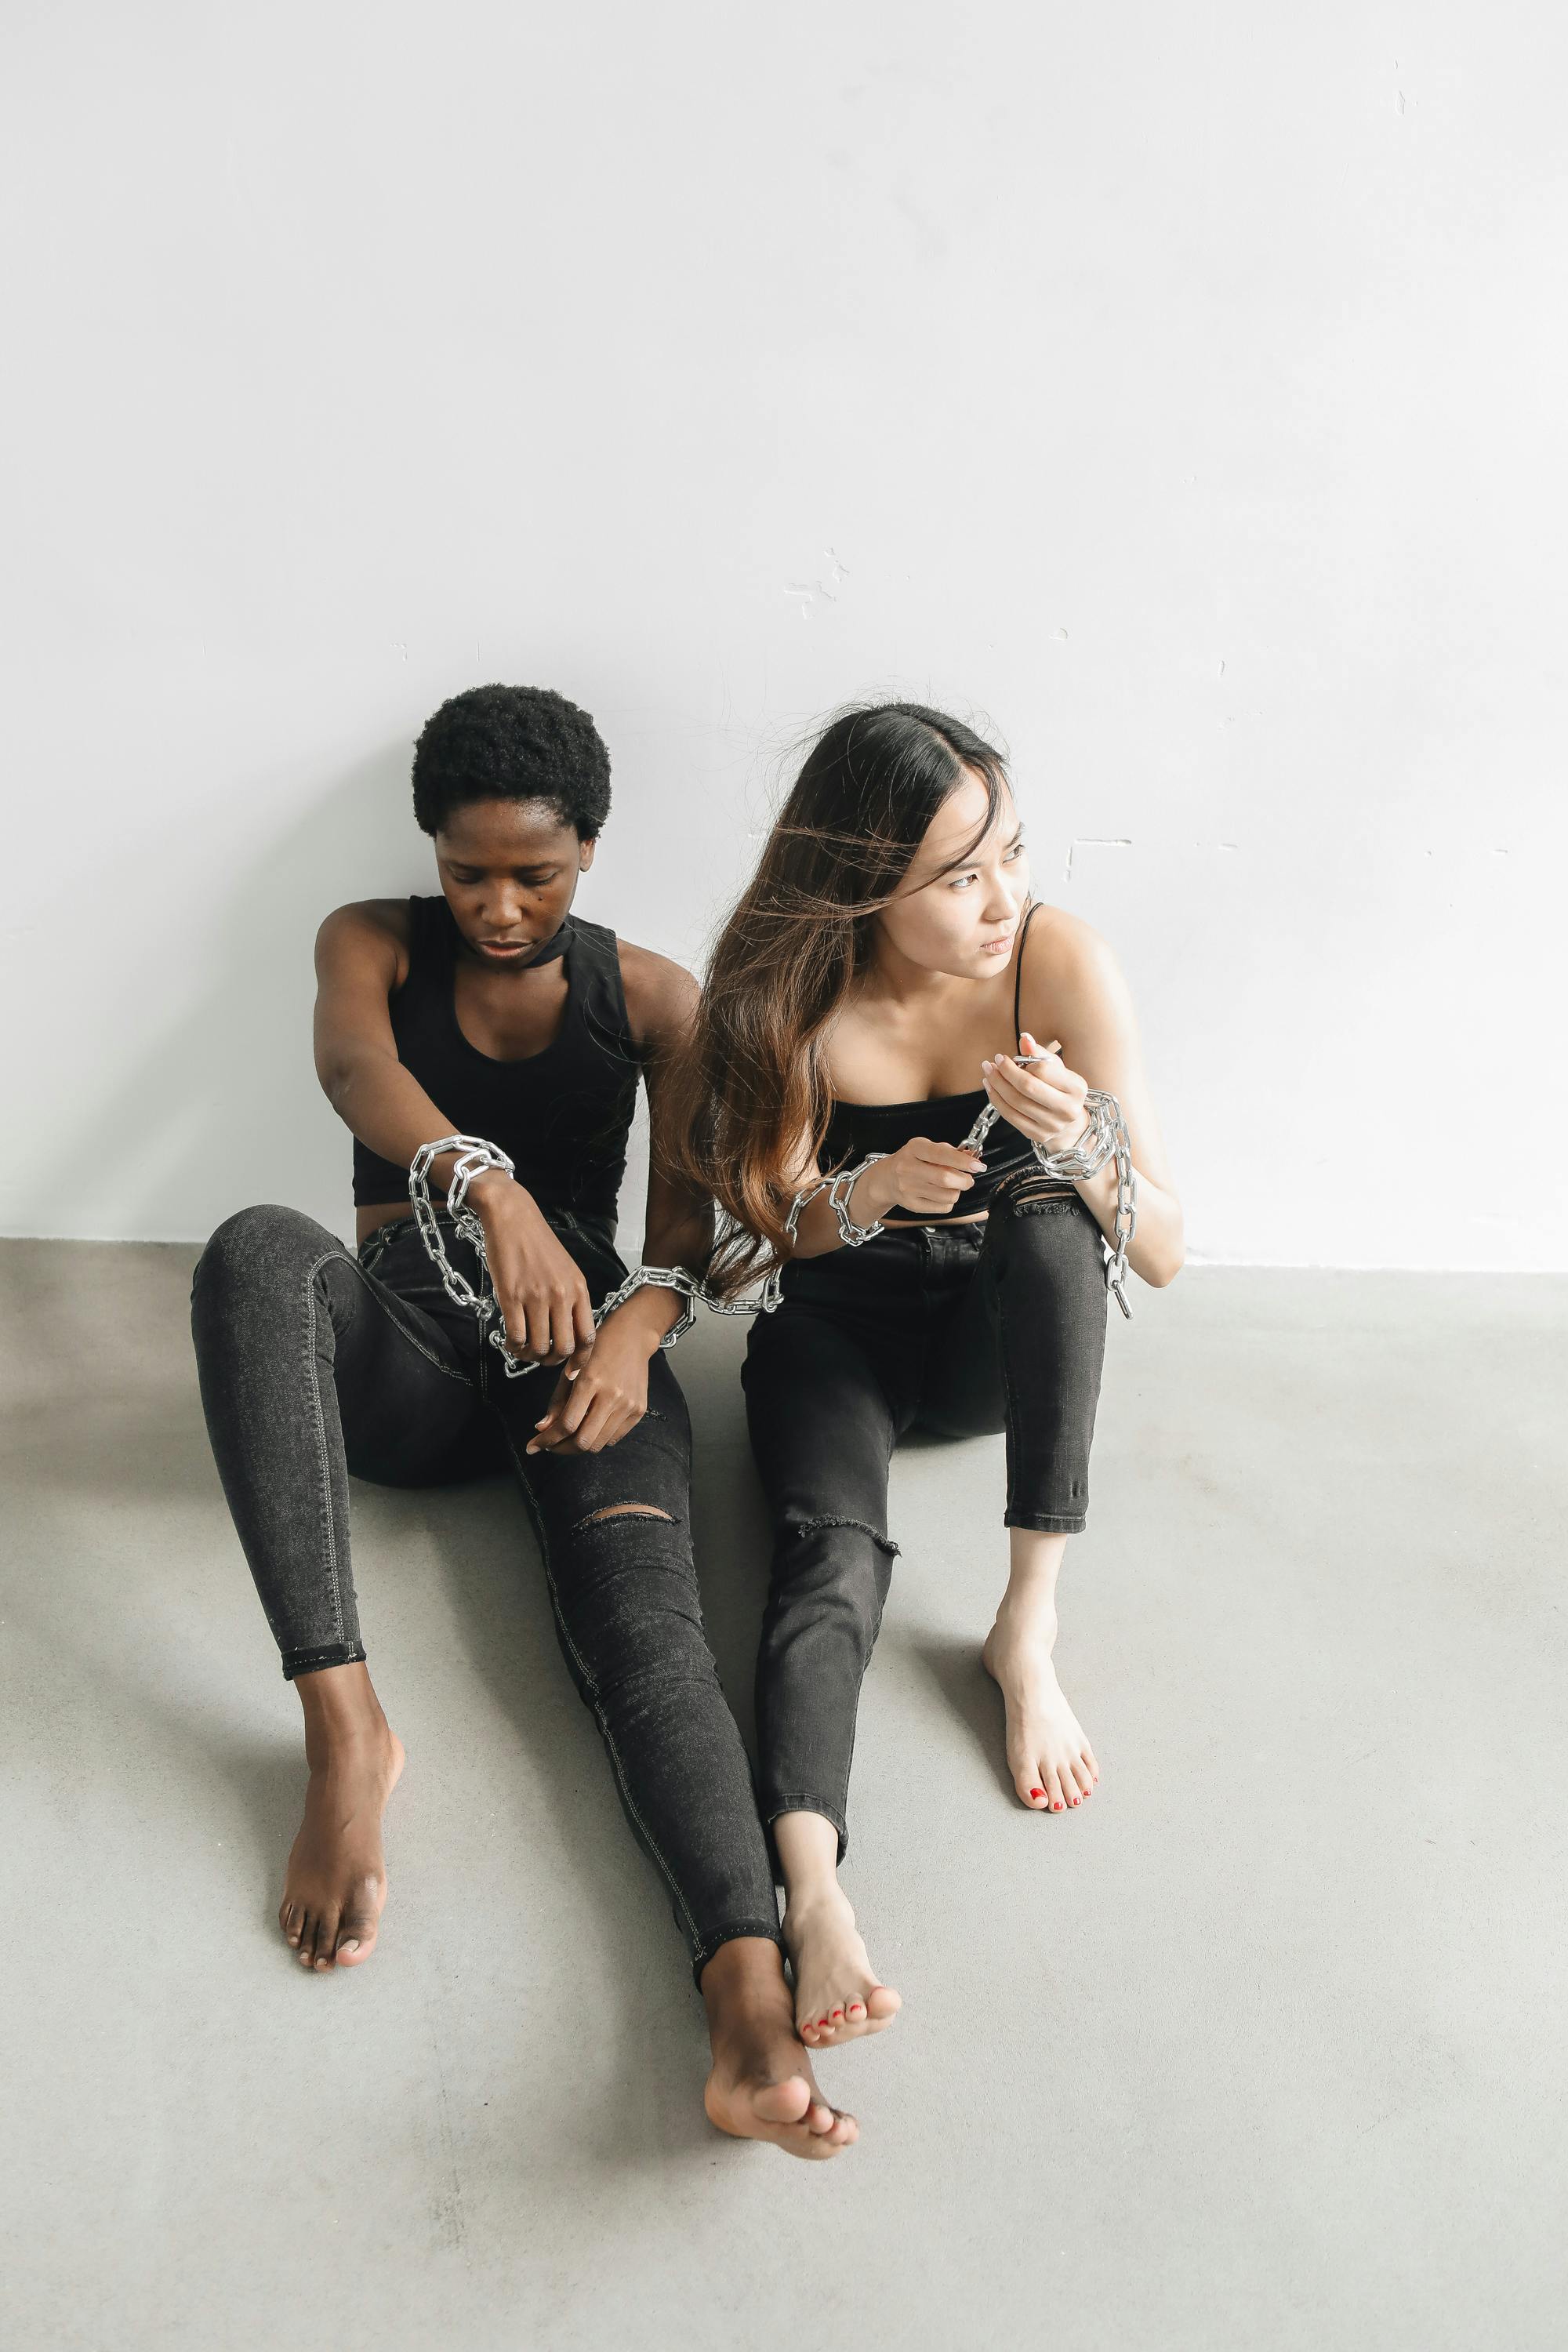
967 1692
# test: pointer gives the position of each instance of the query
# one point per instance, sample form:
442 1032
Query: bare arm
1082 991
679 1226
596 1407
362 956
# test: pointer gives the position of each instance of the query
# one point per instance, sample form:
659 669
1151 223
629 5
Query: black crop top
855 1128
561 1114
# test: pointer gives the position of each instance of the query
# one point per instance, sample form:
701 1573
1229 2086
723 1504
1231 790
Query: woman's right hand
539 1285
924 1177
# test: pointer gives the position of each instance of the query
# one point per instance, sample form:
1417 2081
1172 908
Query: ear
585 853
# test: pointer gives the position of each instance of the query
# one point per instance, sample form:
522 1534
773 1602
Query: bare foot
1051 1762
838 1993
335 1885
762 2085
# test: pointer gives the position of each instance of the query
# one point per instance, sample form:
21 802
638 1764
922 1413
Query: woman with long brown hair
858 1020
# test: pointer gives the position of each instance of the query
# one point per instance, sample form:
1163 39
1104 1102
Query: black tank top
855 1128
563 1114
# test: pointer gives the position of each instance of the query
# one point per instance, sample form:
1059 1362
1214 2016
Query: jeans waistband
570 1226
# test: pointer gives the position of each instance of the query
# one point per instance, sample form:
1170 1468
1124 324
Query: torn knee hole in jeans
625 1511
1031 1190
861 1527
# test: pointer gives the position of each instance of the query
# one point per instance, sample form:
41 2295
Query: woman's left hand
596 1405
1045 1102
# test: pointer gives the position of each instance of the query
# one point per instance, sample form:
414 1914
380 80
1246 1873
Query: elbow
336 1072
1167 1264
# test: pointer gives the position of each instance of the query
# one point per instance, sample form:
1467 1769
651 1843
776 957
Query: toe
855 2011
356 1938
882 2003
326 1940
845 2130
783 2103
1082 1775
305 1943
289 1920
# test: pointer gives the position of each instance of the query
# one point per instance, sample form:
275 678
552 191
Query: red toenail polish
1037 1792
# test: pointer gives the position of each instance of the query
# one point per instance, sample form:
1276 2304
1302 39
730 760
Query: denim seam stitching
401 1328
323 1470
593 1681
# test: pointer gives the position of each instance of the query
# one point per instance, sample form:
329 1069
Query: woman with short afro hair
494 1010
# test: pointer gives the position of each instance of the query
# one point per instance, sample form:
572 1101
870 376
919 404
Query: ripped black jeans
316 1364
962 1331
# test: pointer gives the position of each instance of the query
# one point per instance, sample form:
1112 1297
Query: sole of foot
335 1885
839 1996
1051 1761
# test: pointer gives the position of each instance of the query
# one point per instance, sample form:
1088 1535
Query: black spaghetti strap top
561 1114
855 1128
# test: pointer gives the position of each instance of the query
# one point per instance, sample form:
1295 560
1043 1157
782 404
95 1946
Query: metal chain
1104 1137
838 1195
475 1155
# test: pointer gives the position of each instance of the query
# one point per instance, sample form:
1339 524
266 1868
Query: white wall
1182 387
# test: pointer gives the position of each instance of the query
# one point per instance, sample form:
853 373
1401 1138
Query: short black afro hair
512 743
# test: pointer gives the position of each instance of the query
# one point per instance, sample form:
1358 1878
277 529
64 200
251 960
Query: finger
943 1155
590 1433
522 1334
563 1328
1015 1089
583 1323
547 1424
574 1406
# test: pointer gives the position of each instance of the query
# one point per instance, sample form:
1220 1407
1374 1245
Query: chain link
1104 1137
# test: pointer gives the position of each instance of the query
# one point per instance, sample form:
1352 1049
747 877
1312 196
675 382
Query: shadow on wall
224 1110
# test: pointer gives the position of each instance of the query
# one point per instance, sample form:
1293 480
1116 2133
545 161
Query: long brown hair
752 1082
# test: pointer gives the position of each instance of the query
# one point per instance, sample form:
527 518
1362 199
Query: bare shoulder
661 994
367 931
1071 972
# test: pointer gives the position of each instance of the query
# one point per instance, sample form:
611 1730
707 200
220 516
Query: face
962 918
509 871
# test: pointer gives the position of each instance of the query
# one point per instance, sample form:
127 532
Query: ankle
743 1970
815 1901
342 1715
1028 1615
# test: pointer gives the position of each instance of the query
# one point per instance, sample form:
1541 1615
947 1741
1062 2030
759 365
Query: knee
1042 1230
257 1247
628 1596
838 1568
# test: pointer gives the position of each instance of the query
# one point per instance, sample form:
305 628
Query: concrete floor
1263 2049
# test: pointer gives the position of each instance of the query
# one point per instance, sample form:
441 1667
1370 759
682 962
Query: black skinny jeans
316 1364
959 1329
